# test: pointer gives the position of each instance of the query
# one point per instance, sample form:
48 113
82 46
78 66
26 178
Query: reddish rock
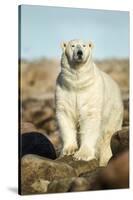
116 174
120 141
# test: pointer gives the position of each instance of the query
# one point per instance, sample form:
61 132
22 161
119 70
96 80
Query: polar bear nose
79 53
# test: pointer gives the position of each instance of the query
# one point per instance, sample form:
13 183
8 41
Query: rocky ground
43 175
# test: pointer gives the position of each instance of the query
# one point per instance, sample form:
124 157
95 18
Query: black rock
38 144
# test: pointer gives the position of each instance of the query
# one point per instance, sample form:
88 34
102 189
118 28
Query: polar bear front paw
69 149
84 154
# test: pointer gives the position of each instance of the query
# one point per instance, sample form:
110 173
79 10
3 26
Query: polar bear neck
77 67
79 78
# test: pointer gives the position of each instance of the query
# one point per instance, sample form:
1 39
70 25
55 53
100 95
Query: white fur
89 107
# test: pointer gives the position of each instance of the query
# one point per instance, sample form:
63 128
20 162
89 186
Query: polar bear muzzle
78 54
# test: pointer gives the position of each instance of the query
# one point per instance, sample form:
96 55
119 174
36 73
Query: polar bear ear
91 45
63 46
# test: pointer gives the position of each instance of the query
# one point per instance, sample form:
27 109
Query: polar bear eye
84 45
73 45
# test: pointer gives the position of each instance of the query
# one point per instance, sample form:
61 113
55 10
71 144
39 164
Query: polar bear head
77 51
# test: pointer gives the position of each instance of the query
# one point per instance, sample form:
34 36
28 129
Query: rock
79 184
126 112
93 178
40 186
41 113
116 174
56 140
27 127
71 185
58 151
37 143
35 167
36 109
61 185
50 126
120 141
86 181
92 174
80 166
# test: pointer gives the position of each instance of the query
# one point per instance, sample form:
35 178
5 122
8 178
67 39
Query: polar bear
89 106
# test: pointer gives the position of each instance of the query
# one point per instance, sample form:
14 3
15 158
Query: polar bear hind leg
115 124
105 150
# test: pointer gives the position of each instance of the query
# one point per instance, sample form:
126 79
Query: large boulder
116 174
35 168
